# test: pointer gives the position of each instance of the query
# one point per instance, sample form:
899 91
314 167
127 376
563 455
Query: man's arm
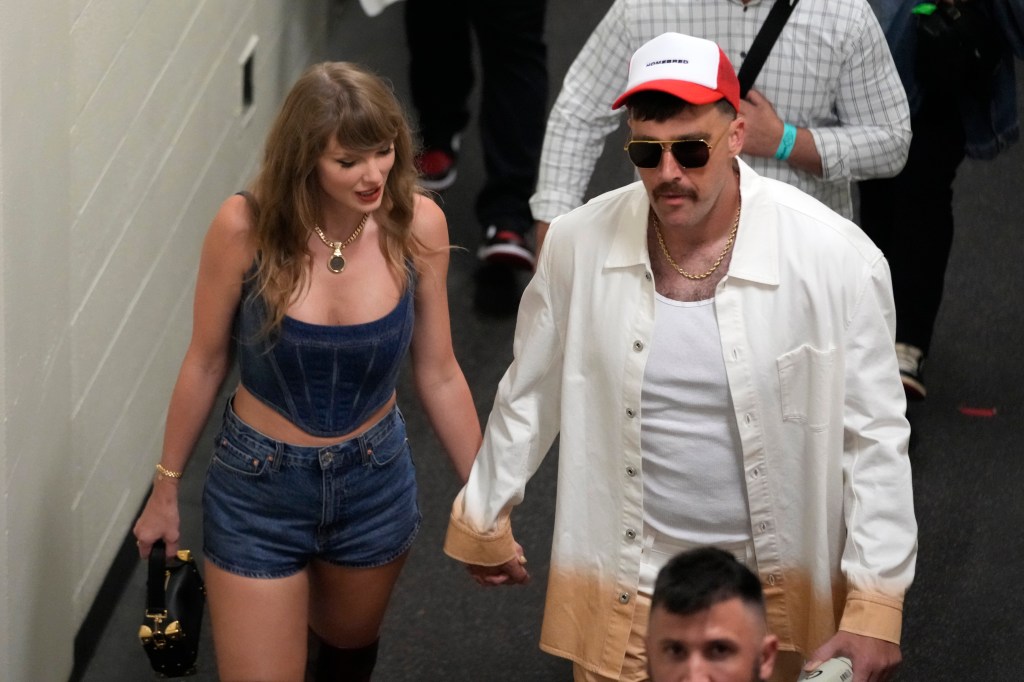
873 137
764 131
881 544
582 117
520 430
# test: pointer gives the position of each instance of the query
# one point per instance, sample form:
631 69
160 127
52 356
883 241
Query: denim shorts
270 507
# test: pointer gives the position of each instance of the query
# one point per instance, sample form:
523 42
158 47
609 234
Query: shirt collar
755 255
629 244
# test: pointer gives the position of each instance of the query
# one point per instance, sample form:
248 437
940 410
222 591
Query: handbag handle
763 43
155 598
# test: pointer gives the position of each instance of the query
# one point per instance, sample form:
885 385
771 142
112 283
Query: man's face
725 643
684 197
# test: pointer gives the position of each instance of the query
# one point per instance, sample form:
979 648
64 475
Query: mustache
675 190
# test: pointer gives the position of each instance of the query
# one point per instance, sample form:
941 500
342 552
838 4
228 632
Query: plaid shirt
830 72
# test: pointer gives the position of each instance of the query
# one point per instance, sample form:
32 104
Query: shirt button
647 276
771 580
630 412
631 471
763 526
638 346
747 418
630 534
735 354
624 598
755 473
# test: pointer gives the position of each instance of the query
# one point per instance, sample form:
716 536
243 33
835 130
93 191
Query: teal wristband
786 143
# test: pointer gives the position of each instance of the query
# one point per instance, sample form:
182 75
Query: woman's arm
440 384
226 256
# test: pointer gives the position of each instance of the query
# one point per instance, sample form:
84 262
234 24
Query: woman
321 278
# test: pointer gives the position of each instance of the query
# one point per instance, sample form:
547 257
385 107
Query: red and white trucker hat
693 69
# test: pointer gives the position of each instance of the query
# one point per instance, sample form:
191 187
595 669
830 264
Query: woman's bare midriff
267 421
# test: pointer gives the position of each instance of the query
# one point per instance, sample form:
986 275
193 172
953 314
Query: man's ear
737 133
769 650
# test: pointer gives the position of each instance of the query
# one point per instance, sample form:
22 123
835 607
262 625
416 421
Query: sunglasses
687 153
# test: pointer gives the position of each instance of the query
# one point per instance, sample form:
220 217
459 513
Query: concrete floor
963 616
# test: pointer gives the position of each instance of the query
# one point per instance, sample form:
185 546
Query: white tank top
692 460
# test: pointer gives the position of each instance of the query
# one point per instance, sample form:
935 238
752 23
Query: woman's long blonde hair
360 111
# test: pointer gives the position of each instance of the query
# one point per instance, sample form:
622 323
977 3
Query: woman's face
355 179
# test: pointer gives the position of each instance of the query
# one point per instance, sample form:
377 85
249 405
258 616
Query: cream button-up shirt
806 320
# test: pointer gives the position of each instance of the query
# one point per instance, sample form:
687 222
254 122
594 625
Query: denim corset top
327 380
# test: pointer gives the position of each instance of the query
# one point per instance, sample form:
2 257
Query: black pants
513 56
910 218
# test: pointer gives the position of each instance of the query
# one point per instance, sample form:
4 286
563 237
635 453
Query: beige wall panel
99 33
121 131
112 109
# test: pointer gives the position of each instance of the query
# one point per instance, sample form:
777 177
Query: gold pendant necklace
721 256
336 263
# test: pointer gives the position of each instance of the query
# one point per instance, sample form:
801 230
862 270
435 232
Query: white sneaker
911 361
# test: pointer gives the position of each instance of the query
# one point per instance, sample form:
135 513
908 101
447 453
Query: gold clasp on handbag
153 634
157 635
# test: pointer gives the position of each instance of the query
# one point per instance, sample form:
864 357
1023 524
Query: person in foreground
708 621
714 350
322 278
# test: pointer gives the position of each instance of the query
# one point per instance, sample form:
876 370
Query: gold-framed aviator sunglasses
687 153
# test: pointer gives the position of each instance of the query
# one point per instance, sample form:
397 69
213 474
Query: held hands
763 128
159 519
874 660
512 572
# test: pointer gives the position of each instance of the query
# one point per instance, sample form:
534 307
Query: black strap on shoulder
155 600
763 43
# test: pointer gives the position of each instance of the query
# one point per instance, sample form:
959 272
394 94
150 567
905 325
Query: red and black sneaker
506 247
437 165
437 169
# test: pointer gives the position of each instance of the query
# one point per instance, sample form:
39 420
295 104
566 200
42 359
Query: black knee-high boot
345 665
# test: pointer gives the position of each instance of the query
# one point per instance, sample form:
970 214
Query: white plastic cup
833 670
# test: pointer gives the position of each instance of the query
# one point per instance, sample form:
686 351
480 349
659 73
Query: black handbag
175 599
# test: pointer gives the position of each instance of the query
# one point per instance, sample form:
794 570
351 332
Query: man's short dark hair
696 580
654 105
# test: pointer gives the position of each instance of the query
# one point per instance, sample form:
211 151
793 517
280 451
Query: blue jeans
270 507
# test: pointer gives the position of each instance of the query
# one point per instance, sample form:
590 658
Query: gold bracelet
167 472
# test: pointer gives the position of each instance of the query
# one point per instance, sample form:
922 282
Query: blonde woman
319 280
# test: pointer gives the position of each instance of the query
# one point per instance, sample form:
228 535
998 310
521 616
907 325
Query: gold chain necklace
336 263
721 257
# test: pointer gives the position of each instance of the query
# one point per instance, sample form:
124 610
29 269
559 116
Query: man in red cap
714 350
827 108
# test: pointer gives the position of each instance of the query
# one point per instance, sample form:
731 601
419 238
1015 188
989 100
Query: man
963 101
509 35
707 621
829 75
714 350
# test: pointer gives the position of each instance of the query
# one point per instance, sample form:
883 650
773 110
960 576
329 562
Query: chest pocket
805 381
